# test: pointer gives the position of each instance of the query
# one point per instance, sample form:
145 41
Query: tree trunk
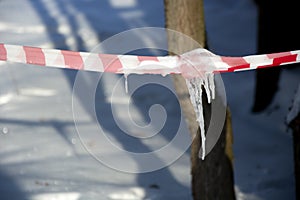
212 178
295 125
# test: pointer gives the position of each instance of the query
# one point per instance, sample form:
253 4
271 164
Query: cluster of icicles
197 68
195 89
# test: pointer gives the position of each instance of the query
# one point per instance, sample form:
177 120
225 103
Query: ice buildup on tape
197 67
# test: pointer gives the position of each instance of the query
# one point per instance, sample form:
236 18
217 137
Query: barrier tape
139 64
196 63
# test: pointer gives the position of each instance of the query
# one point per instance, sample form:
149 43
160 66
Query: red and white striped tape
137 64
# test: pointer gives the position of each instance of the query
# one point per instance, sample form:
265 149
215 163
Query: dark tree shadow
9 189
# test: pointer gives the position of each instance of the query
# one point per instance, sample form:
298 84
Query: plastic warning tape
137 64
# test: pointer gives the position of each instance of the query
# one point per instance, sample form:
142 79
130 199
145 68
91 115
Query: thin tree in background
295 125
293 120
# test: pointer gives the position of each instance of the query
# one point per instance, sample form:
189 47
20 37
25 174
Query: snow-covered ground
42 156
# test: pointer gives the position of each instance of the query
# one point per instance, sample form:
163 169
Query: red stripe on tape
280 58
235 63
73 60
266 66
111 63
144 58
3 53
284 57
34 56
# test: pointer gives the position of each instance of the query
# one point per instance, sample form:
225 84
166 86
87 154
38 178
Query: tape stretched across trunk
184 64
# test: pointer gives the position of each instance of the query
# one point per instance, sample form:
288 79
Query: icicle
209 85
126 82
195 89
207 88
211 82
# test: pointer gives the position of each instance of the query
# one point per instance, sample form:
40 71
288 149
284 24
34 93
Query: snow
50 127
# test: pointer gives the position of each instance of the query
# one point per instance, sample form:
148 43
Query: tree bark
295 125
212 178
